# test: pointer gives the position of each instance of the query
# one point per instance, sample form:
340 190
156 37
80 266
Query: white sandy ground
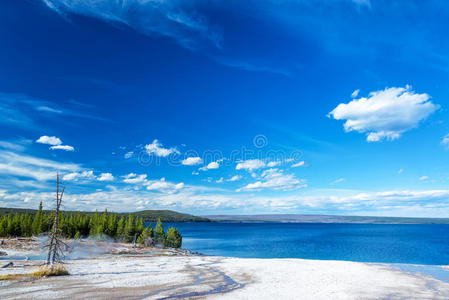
159 277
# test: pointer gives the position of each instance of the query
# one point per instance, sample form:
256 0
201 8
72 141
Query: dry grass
13 276
50 271
43 272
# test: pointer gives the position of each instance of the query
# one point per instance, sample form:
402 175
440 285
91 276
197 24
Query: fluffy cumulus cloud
276 180
134 178
55 142
157 149
385 114
49 140
192 161
211 166
250 165
105 177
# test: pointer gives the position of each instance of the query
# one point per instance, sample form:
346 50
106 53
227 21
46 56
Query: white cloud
211 166
128 154
430 203
195 173
423 178
62 147
163 186
12 146
299 164
49 140
385 114
13 164
235 178
134 178
250 165
276 180
272 164
219 180
192 161
355 93
445 141
79 176
55 141
157 149
105 177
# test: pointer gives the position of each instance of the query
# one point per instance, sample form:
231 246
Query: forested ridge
77 225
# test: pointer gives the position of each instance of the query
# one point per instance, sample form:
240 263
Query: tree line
79 225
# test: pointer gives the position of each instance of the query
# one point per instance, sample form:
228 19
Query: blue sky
243 107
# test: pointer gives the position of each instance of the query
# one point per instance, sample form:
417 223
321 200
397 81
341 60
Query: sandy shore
157 276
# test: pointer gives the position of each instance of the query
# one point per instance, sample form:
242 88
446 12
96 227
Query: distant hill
147 215
293 218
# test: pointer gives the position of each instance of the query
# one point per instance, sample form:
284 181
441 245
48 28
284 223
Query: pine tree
160 233
120 229
174 239
130 229
37 221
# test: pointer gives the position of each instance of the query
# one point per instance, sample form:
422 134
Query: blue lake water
411 244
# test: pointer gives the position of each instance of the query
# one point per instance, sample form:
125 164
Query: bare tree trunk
54 246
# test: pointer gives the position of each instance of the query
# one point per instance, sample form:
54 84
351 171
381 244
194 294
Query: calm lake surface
415 244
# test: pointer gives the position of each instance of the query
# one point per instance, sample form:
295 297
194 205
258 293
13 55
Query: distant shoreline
323 219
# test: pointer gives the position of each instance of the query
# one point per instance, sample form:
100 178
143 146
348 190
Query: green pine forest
79 225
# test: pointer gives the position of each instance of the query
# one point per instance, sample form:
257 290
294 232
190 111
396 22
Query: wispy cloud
250 165
445 141
247 66
276 180
32 167
21 110
338 180
172 19
298 164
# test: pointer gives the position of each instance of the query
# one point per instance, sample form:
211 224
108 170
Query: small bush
50 271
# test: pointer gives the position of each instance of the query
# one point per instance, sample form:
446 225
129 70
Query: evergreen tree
160 233
130 229
174 238
120 229
37 221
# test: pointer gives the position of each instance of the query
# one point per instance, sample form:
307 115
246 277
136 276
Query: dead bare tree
55 244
